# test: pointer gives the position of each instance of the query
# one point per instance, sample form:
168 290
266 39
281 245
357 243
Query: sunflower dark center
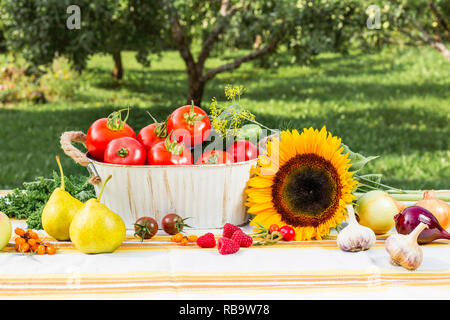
306 190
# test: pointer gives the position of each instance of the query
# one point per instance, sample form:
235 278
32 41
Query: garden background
376 73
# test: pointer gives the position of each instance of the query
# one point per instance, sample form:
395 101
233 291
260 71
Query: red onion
411 217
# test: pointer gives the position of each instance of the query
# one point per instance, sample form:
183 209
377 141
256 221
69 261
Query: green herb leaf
358 161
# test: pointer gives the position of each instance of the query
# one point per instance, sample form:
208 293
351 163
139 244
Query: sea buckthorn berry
20 232
184 241
31 242
33 235
25 247
178 237
51 250
192 238
20 240
41 249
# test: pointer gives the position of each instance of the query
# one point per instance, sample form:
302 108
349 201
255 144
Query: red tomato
287 232
125 150
152 134
215 157
243 150
273 228
103 131
189 124
169 153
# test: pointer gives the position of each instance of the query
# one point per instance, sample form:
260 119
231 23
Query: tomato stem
192 117
161 127
214 158
122 152
114 120
173 147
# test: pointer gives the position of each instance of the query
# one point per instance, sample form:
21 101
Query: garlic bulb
355 237
404 249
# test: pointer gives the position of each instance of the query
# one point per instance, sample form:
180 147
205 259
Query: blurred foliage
309 27
306 27
37 29
405 21
21 81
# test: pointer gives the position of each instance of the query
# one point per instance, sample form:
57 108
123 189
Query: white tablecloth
161 269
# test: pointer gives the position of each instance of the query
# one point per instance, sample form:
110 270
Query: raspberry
206 241
229 229
227 246
242 239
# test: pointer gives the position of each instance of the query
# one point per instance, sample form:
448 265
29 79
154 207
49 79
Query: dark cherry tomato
169 153
189 124
173 223
287 232
145 228
103 131
273 228
126 151
215 157
152 134
243 150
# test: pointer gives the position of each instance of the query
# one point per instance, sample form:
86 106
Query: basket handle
78 156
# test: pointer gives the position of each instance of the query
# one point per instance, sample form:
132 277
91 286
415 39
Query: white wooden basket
211 195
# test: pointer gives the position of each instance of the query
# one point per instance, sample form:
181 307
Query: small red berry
287 232
227 246
229 229
206 241
274 227
242 239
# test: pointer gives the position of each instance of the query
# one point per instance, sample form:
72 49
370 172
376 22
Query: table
161 269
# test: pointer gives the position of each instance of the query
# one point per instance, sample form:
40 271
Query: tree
304 28
37 29
426 22
415 22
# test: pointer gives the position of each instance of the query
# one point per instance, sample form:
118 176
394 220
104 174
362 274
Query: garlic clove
404 249
355 237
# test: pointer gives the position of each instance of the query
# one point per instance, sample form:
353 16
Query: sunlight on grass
395 104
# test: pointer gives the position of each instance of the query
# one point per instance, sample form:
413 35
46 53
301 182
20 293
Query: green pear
97 229
59 211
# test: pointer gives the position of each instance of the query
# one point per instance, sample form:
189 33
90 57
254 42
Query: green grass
395 104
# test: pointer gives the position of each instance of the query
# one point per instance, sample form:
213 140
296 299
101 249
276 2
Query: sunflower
302 181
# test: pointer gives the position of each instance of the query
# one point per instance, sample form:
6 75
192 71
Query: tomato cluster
28 241
112 140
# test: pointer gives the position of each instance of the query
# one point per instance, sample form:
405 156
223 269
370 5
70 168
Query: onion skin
376 210
440 209
411 217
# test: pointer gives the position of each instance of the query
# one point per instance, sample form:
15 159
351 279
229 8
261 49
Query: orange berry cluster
182 239
29 242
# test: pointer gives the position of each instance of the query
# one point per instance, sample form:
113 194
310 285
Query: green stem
260 124
153 118
413 196
61 171
379 184
103 188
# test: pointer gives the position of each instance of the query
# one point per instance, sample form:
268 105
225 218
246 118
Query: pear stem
103 188
61 171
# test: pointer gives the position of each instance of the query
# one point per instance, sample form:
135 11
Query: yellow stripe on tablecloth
208 288
329 275
159 243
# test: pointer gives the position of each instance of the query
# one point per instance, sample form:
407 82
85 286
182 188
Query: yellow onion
376 210
440 209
